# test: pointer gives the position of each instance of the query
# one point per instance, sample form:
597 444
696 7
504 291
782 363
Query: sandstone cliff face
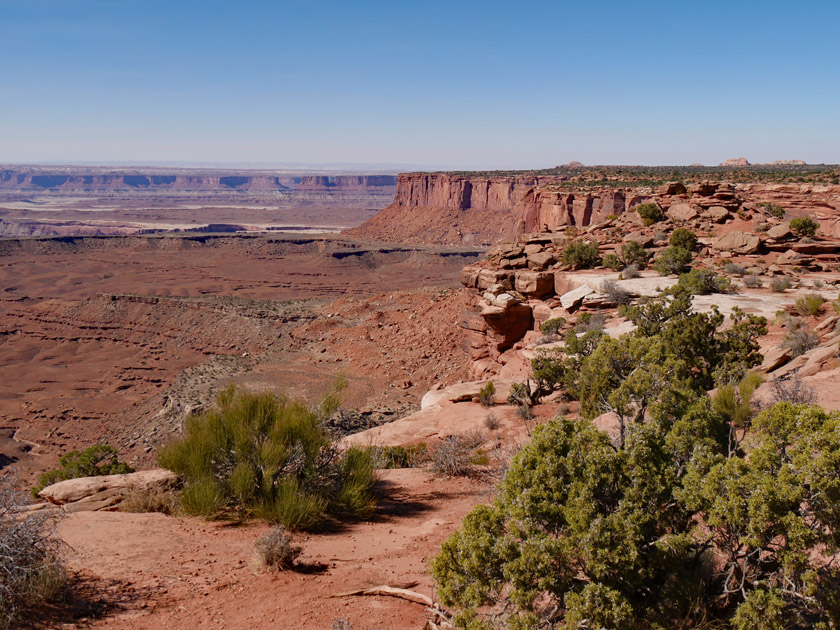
449 209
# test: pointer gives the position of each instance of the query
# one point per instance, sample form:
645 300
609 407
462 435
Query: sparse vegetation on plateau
809 305
269 456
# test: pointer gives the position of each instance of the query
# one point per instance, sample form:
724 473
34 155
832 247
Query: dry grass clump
455 455
799 339
793 390
615 292
810 304
630 272
31 571
144 500
779 284
275 549
751 281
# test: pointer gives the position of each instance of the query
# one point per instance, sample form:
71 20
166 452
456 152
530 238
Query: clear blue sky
454 84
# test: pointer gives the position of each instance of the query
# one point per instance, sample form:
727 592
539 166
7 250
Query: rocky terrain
489 208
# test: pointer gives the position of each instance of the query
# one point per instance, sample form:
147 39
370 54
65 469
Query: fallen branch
402 593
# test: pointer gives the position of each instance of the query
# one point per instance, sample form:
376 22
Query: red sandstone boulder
737 243
681 212
534 283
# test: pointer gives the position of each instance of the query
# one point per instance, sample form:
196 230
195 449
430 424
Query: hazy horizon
444 86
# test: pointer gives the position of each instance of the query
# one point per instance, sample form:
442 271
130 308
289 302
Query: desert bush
800 339
600 536
704 282
611 261
792 390
672 260
581 254
547 371
590 321
649 212
342 623
774 210
752 281
269 456
630 271
486 393
615 292
804 226
492 422
454 456
275 549
779 284
31 569
552 326
388 457
684 238
91 462
734 269
144 500
809 305
633 253
819 283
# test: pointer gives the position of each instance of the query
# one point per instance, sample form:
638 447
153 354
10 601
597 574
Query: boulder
105 491
681 212
534 283
774 359
469 276
541 260
790 257
488 277
572 299
717 214
779 232
672 188
737 242
643 239
819 359
508 323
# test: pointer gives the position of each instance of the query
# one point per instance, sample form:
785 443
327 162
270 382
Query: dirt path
176 573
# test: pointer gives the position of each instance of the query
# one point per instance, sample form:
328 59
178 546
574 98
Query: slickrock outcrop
105 492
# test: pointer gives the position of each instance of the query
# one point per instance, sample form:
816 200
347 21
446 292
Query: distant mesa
696 164
787 163
572 164
742 161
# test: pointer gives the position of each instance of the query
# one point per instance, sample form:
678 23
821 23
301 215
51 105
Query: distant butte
742 161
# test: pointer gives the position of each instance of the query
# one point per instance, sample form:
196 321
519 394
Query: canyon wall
70 180
448 208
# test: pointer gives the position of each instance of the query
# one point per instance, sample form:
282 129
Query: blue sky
451 84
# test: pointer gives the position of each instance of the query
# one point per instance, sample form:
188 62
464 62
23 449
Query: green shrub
810 304
672 260
684 238
611 261
704 282
269 456
804 226
552 326
91 462
772 209
486 393
650 213
387 457
581 254
633 253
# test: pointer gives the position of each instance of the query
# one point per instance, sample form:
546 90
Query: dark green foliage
649 212
683 238
486 393
804 226
581 254
269 456
632 253
547 371
586 535
611 261
704 282
672 260
91 462
552 326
